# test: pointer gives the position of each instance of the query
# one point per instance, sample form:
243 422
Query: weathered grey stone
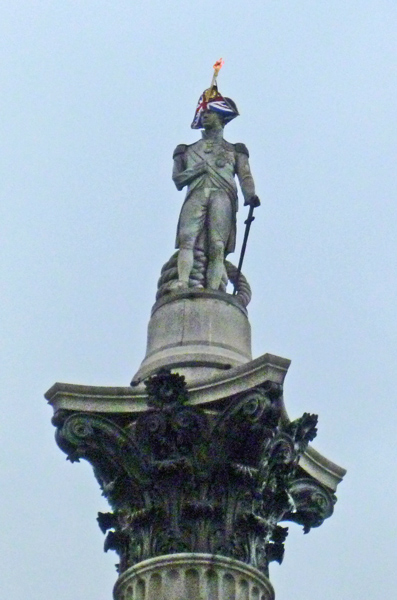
192 576
132 400
198 334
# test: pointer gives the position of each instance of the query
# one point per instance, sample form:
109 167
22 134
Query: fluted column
193 577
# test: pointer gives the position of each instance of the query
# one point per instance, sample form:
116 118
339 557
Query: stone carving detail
197 281
182 479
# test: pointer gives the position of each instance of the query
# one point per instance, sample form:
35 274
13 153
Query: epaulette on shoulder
242 148
180 149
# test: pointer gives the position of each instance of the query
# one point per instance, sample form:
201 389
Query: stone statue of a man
208 168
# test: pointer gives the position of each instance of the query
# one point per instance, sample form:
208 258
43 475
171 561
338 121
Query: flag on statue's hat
211 99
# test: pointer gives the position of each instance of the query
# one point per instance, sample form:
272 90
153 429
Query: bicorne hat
211 99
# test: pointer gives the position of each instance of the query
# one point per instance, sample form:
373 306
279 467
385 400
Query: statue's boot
178 285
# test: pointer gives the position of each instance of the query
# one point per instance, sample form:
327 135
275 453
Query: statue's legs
209 209
191 223
219 220
185 265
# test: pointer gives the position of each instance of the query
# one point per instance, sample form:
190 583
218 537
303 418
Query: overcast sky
94 97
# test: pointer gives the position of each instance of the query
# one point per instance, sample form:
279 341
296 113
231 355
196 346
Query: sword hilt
249 219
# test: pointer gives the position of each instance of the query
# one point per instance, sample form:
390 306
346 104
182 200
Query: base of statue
199 333
193 577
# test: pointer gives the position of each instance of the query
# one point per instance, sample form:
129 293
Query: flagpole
217 67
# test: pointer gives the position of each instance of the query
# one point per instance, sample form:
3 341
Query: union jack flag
211 99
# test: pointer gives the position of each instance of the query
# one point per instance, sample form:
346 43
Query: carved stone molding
183 479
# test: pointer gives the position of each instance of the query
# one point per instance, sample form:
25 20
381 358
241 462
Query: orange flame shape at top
219 64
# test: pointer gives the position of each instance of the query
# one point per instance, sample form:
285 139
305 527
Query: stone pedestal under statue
197 333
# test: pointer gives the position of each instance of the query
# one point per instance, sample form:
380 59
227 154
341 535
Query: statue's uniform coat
211 200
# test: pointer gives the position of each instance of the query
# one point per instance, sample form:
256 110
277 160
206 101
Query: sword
254 202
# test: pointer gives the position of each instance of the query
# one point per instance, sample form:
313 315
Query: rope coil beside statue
169 274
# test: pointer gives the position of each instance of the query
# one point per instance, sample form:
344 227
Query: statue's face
211 120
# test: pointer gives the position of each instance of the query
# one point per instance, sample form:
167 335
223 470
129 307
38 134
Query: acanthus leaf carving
180 479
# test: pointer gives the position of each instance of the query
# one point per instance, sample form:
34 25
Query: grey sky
94 98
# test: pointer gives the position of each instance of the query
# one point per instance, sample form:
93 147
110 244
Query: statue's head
212 102
211 120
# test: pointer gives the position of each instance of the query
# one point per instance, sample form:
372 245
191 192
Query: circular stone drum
197 333
193 577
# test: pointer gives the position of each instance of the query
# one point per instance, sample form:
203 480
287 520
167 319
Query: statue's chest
217 155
